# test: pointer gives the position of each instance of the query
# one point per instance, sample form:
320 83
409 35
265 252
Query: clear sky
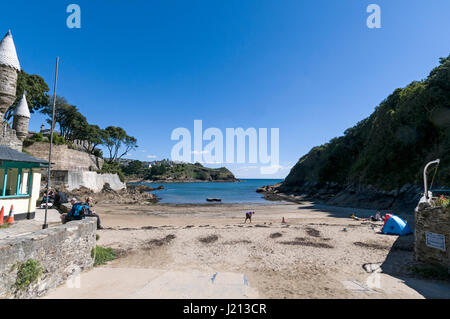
310 68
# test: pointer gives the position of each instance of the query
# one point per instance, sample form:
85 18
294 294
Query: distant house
44 131
20 181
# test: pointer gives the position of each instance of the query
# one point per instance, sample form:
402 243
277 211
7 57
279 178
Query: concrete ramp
197 285
132 283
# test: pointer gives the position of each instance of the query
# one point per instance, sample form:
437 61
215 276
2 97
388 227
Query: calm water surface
195 193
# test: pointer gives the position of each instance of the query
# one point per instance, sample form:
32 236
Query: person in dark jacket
77 212
91 212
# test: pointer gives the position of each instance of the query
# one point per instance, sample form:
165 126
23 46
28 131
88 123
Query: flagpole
45 226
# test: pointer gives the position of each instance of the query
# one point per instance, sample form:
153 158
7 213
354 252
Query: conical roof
22 108
8 54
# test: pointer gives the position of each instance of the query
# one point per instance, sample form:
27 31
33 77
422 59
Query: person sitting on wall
91 212
77 212
60 198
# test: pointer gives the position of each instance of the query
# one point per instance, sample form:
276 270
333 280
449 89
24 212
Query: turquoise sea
195 193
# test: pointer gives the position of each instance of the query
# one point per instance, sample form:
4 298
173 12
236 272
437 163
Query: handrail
425 176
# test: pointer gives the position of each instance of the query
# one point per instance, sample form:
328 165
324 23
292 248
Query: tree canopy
118 142
37 93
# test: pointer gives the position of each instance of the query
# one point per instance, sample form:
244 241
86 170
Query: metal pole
45 226
425 181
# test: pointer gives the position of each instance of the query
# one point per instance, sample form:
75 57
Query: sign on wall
435 240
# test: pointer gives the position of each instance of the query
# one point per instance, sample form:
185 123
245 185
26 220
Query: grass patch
102 255
28 273
430 272
209 239
4 226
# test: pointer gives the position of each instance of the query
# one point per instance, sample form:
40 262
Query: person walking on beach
248 216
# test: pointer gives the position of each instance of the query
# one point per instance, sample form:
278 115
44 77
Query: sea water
197 193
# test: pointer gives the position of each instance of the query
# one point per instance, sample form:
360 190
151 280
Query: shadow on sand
399 264
400 259
345 212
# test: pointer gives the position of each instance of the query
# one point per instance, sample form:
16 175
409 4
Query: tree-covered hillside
390 148
176 172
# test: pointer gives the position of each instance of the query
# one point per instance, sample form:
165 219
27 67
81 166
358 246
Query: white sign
435 240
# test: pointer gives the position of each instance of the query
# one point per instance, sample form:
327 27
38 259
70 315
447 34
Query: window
2 180
11 181
15 181
25 182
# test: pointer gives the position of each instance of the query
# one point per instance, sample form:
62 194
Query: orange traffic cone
10 219
2 214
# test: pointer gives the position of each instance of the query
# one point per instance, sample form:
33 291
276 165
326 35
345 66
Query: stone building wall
75 179
436 222
65 159
62 252
21 124
9 138
8 84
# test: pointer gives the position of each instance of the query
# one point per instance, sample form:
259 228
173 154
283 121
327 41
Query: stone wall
8 83
65 159
62 251
20 124
75 179
9 138
435 220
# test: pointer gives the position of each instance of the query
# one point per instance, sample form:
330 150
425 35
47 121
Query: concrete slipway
123 283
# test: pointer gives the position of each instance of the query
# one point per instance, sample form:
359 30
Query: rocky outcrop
133 195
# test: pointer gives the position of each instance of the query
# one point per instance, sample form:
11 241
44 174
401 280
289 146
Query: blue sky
310 68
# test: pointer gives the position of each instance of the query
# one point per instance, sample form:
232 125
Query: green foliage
58 140
113 168
102 255
28 273
442 201
118 142
136 169
38 137
36 89
389 148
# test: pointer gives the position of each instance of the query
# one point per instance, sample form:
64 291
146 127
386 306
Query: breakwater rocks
132 195
404 199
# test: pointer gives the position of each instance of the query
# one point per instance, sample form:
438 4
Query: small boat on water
213 200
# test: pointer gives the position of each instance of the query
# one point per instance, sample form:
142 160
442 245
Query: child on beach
248 216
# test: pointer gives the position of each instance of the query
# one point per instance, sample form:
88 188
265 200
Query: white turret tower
21 118
9 68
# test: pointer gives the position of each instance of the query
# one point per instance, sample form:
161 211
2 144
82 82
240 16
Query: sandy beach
319 253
